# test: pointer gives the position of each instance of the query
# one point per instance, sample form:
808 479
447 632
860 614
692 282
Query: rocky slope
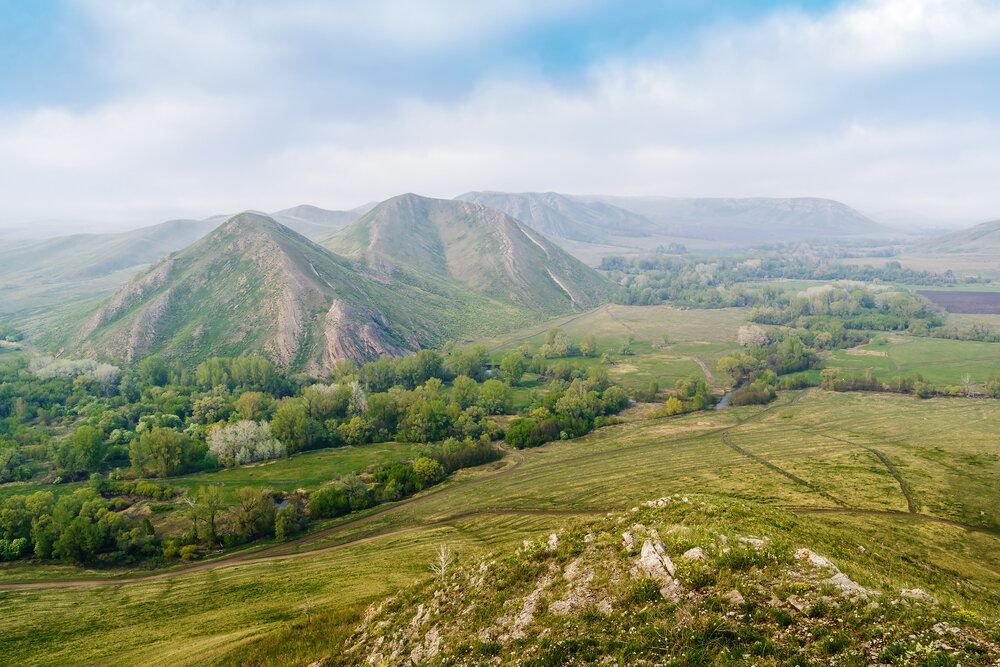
679 581
433 243
254 285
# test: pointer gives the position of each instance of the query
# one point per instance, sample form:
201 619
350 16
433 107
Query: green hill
704 580
254 285
431 243
983 238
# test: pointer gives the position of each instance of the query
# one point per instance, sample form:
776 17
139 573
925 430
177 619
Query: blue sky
116 113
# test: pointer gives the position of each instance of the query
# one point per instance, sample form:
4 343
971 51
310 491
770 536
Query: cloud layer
888 105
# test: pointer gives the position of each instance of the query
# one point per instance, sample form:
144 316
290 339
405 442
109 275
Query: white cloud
221 109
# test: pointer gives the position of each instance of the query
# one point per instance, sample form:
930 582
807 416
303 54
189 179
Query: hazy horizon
118 115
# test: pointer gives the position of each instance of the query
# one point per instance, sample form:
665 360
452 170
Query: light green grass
810 449
940 361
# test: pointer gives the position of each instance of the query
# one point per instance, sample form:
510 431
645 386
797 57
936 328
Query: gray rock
695 553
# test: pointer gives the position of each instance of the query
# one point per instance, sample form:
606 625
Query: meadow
668 342
940 361
911 480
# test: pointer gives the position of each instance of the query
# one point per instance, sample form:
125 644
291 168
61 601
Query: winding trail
911 506
893 513
798 480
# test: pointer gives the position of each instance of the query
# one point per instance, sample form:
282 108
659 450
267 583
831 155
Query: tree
244 442
287 521
170 450
153 371
442 562
83 451
254 512
465 391
209 507
512 368
293 426
493 396
428 470
252 405
588 345
750 335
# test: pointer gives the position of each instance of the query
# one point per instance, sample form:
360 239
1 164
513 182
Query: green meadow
913 478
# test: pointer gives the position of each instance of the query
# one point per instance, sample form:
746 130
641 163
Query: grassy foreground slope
911 481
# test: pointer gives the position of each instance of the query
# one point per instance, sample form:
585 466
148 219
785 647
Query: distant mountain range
417 272
982 238
629 220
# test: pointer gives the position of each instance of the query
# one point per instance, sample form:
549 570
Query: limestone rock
654 561
918 594
695 553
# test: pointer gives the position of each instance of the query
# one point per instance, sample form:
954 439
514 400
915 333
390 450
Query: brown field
965 302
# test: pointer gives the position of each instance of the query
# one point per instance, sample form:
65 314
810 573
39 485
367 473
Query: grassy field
667 339
907 460
940 361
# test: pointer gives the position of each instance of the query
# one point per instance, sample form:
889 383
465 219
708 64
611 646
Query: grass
939 361
667 340
811 449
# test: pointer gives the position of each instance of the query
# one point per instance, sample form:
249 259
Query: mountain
984 237
253 285
566 217
313 222
748 221
82 256
439 243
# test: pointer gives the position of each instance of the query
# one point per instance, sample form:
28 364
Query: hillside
680 581
254 285
748 220
566 217
313 222
436 243
982 238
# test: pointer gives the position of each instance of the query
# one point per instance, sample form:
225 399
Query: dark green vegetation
64 421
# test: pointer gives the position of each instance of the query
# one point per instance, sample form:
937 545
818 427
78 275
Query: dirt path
704 368
798 480
910 505
893 513
281 550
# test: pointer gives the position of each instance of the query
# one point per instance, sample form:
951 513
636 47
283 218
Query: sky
121 113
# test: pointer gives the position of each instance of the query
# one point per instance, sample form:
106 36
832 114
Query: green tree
512 368
294 427
465 391
254 512
588 345
153 371
428 470
252 405
209 507
171 451
493 397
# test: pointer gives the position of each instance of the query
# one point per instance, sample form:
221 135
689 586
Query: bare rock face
654 561
837 578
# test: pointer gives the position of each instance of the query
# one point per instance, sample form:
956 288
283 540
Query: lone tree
442 562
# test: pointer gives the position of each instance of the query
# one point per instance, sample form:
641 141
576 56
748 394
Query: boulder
695 553
654 561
